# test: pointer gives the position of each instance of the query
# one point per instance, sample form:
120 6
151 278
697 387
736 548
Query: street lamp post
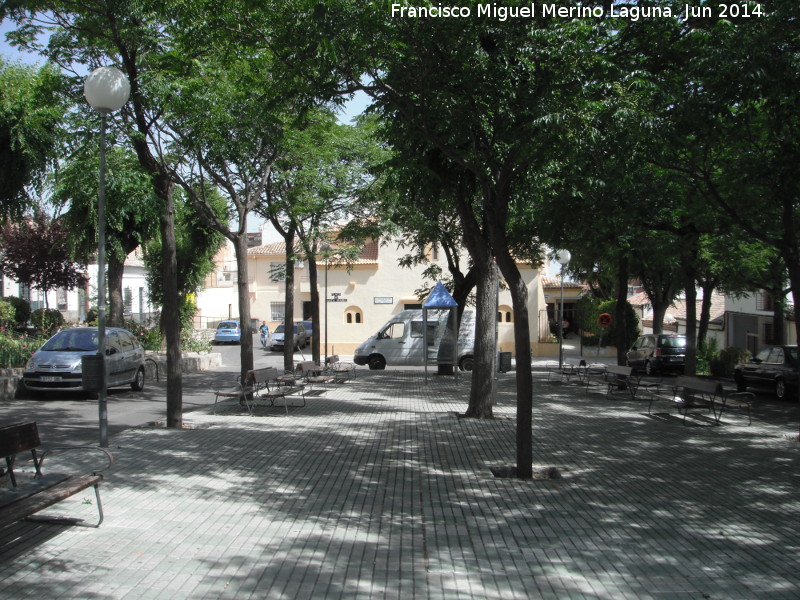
563 257
106 90
326 248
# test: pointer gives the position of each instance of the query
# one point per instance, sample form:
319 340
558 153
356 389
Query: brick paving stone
376 489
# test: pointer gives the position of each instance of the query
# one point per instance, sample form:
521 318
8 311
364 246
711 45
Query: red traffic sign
604 320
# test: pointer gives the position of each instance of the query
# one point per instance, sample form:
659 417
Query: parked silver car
299 334
56 366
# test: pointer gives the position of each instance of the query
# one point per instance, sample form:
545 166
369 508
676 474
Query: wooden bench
342 371
564 371
594 374
21 500
272 385
261 383
688 392
619 378
243 391
312 373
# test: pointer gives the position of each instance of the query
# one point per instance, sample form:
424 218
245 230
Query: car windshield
279 329
72 340
673 342
227 325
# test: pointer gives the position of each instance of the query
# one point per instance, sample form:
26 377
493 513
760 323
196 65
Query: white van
400 341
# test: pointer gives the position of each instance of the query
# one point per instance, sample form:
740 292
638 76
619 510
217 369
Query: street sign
604 320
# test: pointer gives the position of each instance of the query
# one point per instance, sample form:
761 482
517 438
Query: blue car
228 332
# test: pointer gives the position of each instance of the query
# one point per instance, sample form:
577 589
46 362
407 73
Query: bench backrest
308 366
259 376
619 370
18 438
697 384
334 358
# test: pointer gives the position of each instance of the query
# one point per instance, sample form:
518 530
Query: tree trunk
313 280
620 311
705 313
171 309
288 320
522 345
792 258
116 304
483 372
485 351
659 312
243 285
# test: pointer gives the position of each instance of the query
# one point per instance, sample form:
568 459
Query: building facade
361 296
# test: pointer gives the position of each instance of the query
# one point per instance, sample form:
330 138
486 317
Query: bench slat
29 505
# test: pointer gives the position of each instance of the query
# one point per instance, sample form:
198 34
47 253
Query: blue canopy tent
438 299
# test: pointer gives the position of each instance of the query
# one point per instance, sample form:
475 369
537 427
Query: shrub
48 320
589 309
7 312
149 337
706 353
192 341
722 365
22 309
16 350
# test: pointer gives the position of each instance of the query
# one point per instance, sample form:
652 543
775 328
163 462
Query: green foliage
7 314
589 309
48 320
131 207
706 354
152 339
194 341
723 363
31 109
15 350
22 310
196 246
149 337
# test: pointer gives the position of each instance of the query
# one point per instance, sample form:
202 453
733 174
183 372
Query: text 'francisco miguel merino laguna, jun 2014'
722 10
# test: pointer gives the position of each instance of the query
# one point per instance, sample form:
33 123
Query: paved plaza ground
377 489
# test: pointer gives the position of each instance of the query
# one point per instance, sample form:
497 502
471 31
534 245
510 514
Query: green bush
706 353
149 337
589 310
722 365
191 341
16 350
48 320
7 314
22 310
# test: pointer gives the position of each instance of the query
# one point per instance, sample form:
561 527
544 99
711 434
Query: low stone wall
191 362
156 364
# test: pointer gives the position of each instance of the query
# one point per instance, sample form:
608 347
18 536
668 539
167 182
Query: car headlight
31 366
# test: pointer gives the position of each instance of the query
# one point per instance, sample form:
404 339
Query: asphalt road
74 418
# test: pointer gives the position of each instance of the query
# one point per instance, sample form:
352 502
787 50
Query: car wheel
780 389
648 368
467 363
137 385
377 363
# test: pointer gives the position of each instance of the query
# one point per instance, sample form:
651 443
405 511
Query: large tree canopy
31 109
